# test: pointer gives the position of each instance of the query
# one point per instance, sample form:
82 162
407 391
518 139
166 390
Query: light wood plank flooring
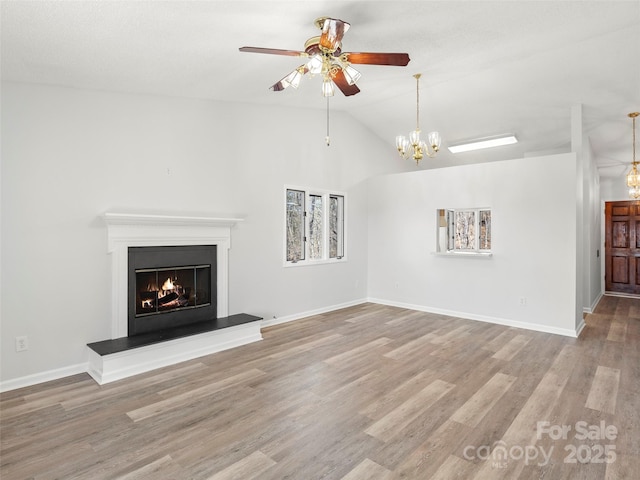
368 392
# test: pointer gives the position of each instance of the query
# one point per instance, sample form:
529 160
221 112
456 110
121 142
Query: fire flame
168 285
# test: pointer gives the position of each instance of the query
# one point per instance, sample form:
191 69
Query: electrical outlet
22 344
523 301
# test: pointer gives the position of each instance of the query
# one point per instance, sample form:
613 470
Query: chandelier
633 177
413 147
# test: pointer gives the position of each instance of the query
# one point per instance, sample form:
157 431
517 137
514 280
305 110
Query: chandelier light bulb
414 138
633 179
402 144
434 140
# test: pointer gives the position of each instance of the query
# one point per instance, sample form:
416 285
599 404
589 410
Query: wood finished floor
368 392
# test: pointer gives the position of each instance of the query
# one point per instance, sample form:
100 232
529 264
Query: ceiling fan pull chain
327 139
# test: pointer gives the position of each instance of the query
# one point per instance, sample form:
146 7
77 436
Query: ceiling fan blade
272 51
371 58
333 30
341 81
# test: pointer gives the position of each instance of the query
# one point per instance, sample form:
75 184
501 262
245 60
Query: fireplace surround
124 355
126 230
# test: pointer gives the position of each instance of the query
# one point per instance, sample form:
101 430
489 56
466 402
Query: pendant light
633 177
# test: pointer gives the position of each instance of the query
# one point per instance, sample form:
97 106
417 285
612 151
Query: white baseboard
593 305
117 366
483 318
117 370
623 295
311 313
580 327
42 377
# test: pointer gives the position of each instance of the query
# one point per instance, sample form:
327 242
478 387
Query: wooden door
622 247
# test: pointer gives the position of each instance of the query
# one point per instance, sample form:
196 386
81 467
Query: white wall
594 243
533 203
589 241
577 146
70 155
614 189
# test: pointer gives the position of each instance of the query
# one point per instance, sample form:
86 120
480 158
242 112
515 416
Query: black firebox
171 286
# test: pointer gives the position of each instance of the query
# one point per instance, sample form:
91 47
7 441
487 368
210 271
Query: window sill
464 254
310 263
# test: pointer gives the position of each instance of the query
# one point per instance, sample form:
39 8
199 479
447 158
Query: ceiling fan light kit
327 88
486 142
351 74
314 66
293 79
633 178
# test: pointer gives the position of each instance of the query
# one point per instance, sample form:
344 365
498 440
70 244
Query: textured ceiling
488 67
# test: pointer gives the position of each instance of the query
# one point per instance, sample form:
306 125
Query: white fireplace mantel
126 230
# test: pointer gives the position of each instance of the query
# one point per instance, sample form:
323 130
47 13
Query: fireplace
131 231
167 270
170 286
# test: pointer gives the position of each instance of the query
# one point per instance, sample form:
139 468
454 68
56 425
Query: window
295 225
315 226
464 230
336 226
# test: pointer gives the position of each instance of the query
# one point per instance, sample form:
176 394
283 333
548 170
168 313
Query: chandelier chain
417 75
633 121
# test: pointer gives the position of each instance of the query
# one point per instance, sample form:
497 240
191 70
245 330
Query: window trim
340 220
326 196
286 222
444 250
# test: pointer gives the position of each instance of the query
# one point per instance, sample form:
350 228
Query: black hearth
171 286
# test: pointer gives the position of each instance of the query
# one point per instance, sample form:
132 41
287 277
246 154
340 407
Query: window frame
286 224
449 240
340 221
325 247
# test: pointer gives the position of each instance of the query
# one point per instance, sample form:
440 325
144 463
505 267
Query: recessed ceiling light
481 143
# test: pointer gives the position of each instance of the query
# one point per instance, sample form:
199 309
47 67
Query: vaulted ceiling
488 67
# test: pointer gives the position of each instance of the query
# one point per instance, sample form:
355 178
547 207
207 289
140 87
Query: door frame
603 255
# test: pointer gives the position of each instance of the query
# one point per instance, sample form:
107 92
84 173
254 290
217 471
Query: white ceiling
488 67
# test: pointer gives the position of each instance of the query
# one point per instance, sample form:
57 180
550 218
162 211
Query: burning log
168 298
173 300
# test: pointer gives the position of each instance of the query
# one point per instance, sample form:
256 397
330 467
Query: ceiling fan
325 57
